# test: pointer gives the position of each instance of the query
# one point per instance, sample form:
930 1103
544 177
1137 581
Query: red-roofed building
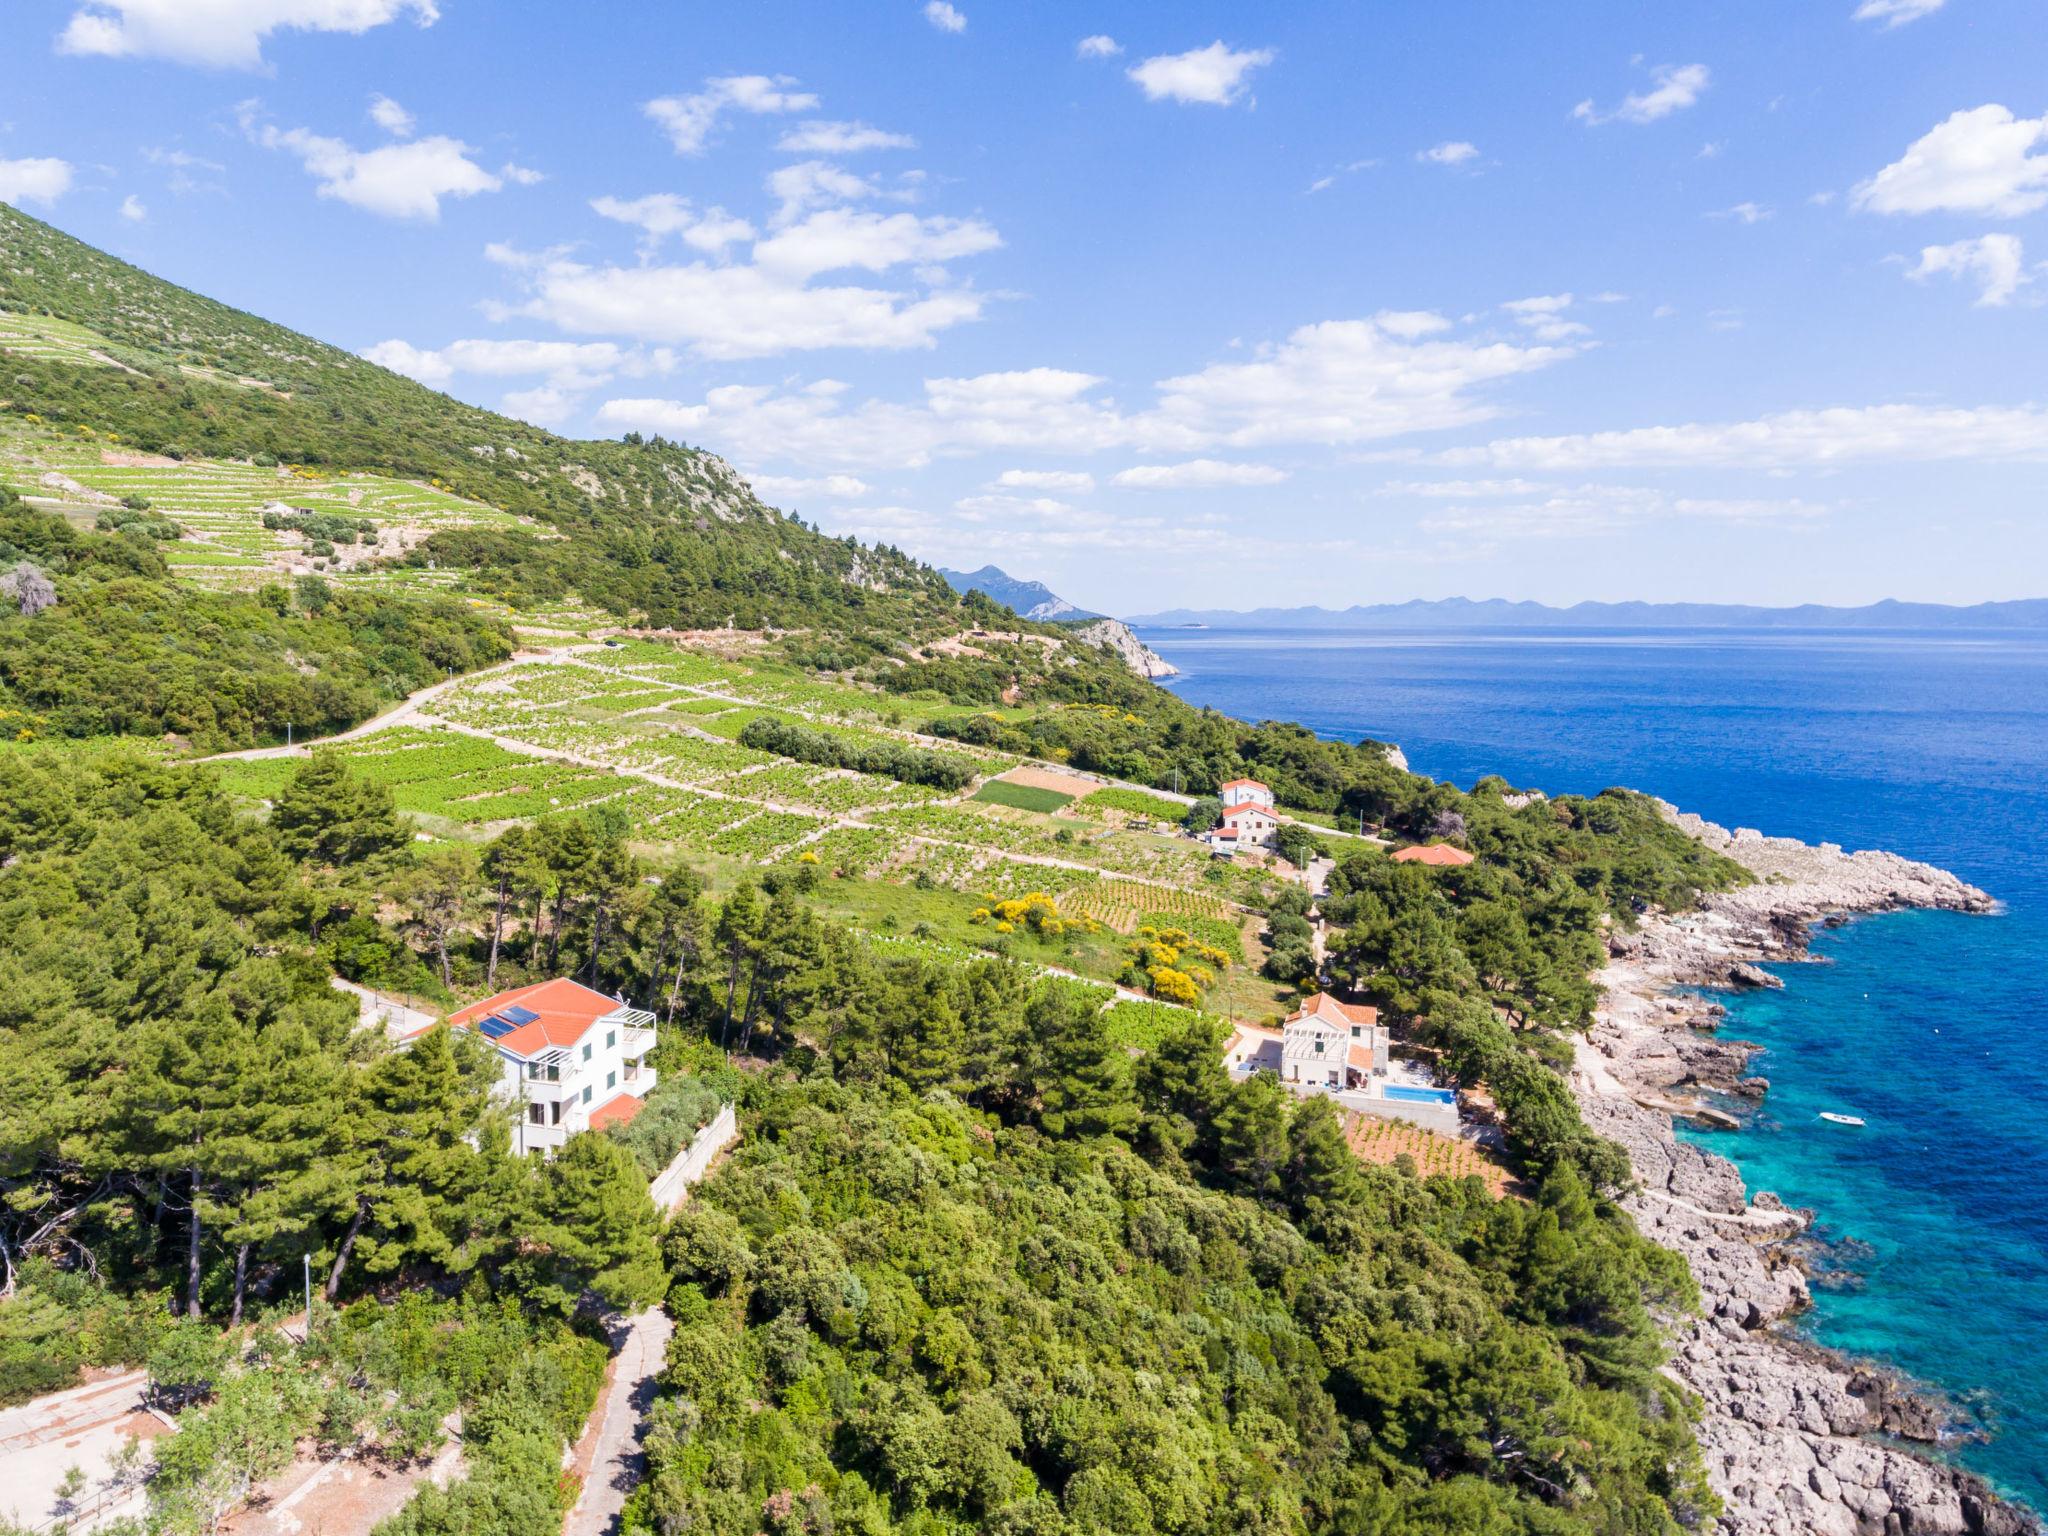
1436 855
1244 792
574 1059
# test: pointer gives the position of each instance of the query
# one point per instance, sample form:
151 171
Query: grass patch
1021 797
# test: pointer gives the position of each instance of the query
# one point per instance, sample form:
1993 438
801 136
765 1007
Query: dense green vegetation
121 647
1022 797
830 749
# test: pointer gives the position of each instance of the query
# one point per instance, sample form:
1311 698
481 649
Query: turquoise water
1926 1024
1418 1095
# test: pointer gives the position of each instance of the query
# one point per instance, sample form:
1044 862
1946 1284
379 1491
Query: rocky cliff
1115 635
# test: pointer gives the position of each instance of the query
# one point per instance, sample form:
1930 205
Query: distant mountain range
1029 599
1497 613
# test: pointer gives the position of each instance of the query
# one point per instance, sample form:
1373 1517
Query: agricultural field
1386 1141
1133 803
240 521
1125 904
1022 797
54 341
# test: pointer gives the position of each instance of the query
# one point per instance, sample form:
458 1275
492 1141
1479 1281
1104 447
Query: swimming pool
1403 1094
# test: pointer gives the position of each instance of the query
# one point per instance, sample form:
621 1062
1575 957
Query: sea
1932 1217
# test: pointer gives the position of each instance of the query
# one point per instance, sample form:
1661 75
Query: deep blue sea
1929 1025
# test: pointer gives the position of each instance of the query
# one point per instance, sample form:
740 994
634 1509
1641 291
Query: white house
1244 792
1339 1051
1247 825
574 1059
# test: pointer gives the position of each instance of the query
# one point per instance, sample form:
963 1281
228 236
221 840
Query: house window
611 1080
611 1038
1357 1031
586 1095
586 1053
556 1116
1319 1045
537 1113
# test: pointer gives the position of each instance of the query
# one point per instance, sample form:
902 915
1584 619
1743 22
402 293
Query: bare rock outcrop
1115 635
1790 1432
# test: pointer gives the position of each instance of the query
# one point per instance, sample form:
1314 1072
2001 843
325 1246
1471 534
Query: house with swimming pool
1338 1050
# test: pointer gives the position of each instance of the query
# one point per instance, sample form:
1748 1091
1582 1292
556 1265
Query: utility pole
287 735
309 1294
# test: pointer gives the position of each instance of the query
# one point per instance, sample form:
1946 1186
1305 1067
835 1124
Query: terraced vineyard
1125 904
1385 1141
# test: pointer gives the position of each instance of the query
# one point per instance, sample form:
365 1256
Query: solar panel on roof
518 1015
494 1027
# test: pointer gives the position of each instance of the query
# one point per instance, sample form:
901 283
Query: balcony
636 1041
638 1081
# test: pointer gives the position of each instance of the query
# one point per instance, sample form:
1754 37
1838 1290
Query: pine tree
592 1227
326 815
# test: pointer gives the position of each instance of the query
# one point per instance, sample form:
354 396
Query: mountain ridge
1028 599
1500 613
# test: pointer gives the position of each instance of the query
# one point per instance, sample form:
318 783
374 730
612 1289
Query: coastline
1789 1430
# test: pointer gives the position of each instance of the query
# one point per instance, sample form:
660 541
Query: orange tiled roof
618 1111
1247 809
1326 1007
1240 784
563 1012
1440 855
1360 1057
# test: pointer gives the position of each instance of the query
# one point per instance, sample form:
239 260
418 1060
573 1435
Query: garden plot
53 341
1126 904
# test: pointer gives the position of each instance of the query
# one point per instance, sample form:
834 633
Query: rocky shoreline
1796 1438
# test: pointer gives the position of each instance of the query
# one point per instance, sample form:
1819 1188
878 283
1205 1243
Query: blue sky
1202 304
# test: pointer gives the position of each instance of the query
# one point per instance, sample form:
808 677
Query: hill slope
667 533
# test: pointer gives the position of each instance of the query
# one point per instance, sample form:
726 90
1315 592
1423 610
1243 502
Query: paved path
619 1462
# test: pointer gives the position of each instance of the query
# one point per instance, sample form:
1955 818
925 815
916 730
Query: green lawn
1022 797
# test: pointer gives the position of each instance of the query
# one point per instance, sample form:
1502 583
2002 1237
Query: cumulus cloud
1069 482
1099 46
834 239
1874 434
815 184
406 180
689 120
1464 490
792 488
1196 475
1896 13
391 117
825 138
944 16
1673 88
41 180
1334 383
1213 76
661 214
1543 315
1995 263
1982 160
1583 511
1450 152
545 405
220 34
566 365
132 209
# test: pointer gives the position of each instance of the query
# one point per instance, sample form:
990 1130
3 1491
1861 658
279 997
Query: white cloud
42 180
1338 382
1196 475
1586 510
815 184
132 209
220 34
1070 482
732 312
1463 490
1977 161
689 120
834 239
522 175
1995 263
1450 152
1896 13
1099 46
400 181
1543 315
944 16
567 365
1674 87
789 488
661 214
1742 213
824 138
391 117
544 406
1212 76
1875 434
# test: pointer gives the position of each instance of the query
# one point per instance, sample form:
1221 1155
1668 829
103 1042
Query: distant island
1498 613
1028 599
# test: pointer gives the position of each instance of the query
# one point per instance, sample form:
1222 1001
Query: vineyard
1124 904
1134 803
1386 1141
